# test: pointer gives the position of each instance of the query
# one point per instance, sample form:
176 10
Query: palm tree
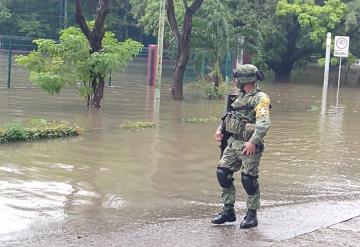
215 36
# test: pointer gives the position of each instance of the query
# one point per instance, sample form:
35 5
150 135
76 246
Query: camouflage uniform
254 106
246 121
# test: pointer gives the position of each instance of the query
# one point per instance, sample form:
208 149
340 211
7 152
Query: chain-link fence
12 75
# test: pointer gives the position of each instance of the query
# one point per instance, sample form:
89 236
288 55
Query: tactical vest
240 120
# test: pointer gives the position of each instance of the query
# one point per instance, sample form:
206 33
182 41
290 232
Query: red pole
151 65
154 65
148 70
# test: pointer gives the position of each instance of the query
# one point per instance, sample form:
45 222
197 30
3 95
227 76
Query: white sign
341 46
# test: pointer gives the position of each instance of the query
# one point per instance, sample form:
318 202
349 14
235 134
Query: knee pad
224 176
249 183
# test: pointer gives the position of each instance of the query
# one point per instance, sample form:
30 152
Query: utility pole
326 73
65 13
160 49
159 60
240 51
60 14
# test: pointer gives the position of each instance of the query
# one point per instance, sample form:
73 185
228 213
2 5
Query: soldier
247 122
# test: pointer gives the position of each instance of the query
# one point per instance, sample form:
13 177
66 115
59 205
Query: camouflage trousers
246 164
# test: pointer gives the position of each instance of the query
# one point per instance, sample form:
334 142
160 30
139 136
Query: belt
258 147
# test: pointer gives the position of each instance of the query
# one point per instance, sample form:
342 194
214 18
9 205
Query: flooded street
157 186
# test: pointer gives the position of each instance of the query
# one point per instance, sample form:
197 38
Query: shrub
205 88
201 120
138 125
37 129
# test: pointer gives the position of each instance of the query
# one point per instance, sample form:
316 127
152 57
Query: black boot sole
222 222
248 226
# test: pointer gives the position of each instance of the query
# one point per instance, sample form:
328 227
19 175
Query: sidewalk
346 233
323 223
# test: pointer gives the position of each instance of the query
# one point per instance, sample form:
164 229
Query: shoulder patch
263 106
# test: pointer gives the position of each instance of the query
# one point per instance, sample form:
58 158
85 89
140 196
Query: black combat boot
226 215
250 219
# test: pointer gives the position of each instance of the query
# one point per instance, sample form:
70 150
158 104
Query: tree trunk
217 74
283 66
283 74
182 58
98 94
178 78
95 37
183 43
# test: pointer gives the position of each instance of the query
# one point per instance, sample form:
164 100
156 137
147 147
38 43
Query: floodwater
157 186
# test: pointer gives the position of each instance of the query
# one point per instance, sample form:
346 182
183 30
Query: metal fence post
9 65
110 79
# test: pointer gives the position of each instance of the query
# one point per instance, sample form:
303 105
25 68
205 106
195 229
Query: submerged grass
37 129
201 120
138 125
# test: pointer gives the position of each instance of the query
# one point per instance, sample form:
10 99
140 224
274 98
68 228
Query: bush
138 125
37 129
205 88
201 120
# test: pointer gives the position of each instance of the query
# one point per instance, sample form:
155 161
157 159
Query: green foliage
147 15
201 120
352 26
319 18
12 131
204 88
40 19
211 36
70 62
37 129
214 36
4 11
138 125
334 61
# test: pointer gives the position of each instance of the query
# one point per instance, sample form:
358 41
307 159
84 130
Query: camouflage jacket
255 106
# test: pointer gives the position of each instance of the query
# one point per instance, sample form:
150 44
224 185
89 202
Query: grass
138 125
201 120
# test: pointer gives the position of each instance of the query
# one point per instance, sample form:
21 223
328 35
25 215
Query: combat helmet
247 73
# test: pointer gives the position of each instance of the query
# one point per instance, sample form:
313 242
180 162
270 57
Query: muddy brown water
113 180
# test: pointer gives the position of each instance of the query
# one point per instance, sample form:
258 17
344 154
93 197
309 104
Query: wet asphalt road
311 224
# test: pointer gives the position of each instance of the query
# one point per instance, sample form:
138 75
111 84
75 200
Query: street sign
341 46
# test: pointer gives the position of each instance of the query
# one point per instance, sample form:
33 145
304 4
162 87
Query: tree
217 31
95 37
183 38
180 19
352 29
69 63
4 11
352 26
301 27
29 18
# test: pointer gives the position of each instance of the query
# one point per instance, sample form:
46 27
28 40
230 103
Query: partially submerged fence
143 67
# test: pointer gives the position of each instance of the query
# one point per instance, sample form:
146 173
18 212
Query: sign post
326 73
341 49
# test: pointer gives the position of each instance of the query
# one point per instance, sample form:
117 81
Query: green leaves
37 129
4 11
50 82
71 62
138 125
318 18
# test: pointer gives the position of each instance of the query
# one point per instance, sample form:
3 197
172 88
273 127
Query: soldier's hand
218 135
249 149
